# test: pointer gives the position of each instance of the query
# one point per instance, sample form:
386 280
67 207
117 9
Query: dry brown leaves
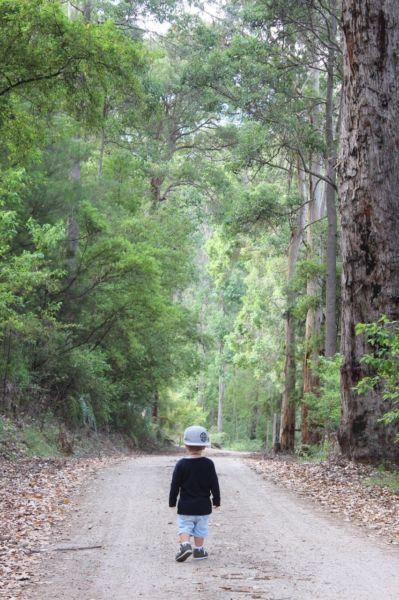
340 487
34 496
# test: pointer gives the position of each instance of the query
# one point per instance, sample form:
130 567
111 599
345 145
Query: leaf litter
35 495
340 486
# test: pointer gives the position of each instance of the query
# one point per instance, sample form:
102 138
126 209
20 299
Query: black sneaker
184 552
200 554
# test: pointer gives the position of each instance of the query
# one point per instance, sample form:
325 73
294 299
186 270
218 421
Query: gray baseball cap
196 436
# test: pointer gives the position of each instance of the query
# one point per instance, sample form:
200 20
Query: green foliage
384 478
325 407
91 325
218 438
383 338
51 59
245 445
179 412
29 437
39 443
147 197
316 452
260 206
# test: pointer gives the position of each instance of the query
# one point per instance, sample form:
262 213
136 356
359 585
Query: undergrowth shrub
325 406
383 337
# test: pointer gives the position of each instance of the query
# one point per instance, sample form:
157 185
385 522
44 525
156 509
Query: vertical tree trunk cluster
287 426
369 191
319 198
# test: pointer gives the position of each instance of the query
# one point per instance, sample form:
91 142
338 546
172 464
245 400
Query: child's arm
215 488
174 486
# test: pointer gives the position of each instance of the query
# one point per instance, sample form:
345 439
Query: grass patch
40 444
384 478
245 446
28 439
316 453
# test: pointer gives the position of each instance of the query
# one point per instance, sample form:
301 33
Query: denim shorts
196 525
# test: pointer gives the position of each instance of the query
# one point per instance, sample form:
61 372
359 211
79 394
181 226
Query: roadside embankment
362 494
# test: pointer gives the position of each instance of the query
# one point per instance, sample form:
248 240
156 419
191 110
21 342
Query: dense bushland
170 248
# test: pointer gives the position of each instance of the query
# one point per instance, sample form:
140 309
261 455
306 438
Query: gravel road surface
265 543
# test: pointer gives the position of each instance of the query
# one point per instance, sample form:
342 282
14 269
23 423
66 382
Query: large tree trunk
287 425
369 190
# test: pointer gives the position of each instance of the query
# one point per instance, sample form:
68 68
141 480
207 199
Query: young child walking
194 480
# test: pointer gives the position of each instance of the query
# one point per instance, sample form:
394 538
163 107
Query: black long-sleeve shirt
195 480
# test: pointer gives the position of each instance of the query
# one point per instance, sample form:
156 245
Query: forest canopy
182 188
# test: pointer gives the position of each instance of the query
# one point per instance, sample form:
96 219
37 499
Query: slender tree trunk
72 11
7 359
276 433
72 232
155 407
72 225
202 261
369 191
254 415
75 11
222 389
331 159
87 10
287 425
102 141
315 209
80 9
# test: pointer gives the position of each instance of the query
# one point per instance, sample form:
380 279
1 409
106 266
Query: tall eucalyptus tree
369 189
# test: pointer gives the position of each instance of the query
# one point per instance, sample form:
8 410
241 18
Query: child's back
194 480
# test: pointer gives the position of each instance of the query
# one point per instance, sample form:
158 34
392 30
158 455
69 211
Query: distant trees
297 72
280 70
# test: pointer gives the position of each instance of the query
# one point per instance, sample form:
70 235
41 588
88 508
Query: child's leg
185 529
199 552
200 530
199 541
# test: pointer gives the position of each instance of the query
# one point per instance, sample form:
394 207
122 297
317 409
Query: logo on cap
204 437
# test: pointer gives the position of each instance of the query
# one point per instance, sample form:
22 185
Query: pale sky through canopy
209 12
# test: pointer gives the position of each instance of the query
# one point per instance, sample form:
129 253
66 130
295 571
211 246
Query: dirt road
265 544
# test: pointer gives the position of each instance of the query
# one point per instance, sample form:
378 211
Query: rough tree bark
369 191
